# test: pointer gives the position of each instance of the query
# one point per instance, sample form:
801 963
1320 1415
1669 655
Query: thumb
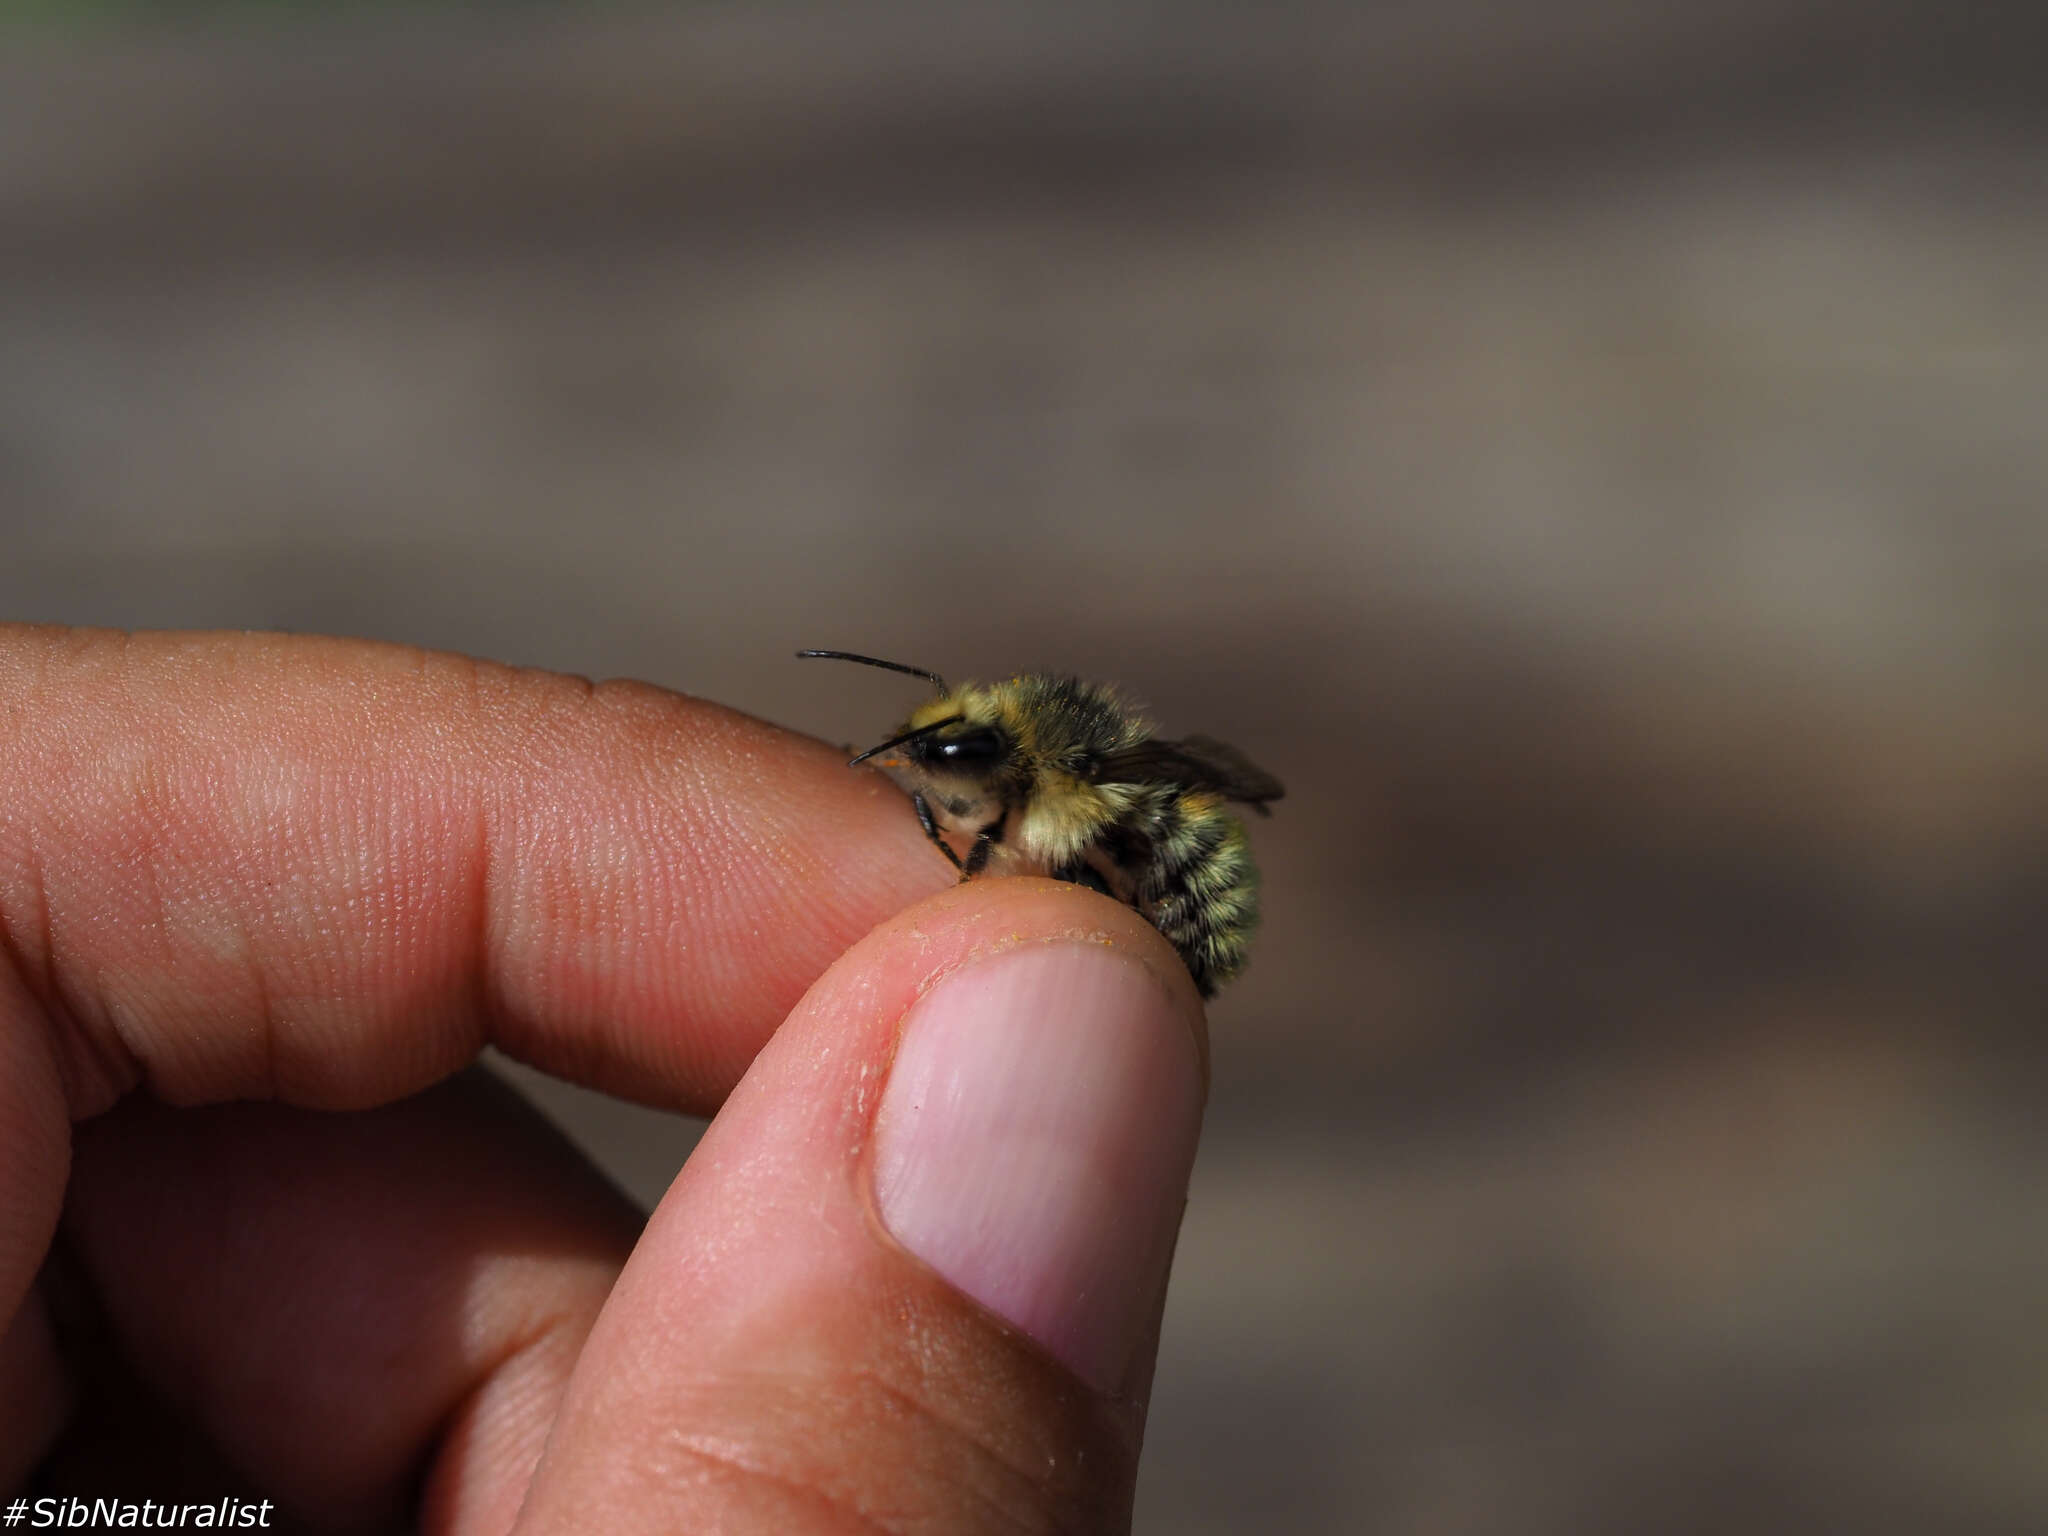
911 1278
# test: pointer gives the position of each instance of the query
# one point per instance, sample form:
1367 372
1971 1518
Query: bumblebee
1053 776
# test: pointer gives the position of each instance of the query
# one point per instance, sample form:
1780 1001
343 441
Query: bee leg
984 845
931 828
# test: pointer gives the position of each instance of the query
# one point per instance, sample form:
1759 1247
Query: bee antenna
933 678
897 741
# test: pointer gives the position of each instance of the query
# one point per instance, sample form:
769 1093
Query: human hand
906 1286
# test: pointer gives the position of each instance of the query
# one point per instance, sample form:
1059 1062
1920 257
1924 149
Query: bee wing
1197 762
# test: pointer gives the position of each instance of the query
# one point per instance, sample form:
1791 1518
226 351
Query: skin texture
248 880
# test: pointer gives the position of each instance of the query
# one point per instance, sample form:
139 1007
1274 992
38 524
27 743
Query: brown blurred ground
1596 460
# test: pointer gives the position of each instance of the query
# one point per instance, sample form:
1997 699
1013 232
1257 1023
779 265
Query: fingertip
917 1261
976 919
615 883
1035 1139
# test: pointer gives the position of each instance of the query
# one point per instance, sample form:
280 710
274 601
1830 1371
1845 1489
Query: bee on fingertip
1053 776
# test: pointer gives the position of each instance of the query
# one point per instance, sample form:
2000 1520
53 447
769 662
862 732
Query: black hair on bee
1050 775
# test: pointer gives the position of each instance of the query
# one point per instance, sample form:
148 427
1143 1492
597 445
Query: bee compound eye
973 749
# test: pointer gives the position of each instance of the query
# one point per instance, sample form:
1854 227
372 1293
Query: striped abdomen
1192 874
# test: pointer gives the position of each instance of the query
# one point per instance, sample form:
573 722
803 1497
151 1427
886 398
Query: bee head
958 735
959 747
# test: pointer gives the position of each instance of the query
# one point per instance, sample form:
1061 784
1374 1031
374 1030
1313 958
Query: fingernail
1034 1142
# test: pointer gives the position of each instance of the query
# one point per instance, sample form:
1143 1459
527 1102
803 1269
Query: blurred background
1593 453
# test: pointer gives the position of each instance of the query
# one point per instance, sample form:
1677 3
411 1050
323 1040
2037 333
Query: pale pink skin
323 875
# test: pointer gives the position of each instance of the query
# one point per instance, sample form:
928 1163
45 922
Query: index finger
328 872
